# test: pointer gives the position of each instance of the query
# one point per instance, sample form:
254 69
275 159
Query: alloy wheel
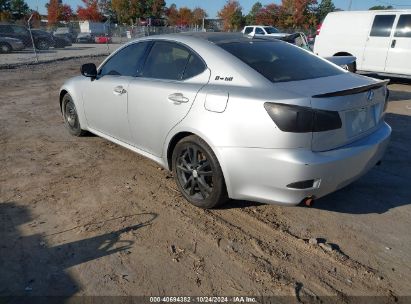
70 114
195 173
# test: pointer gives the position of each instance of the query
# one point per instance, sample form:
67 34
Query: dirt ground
83 216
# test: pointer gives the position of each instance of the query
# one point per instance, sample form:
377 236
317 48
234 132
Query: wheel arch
343 54
62 93
174 139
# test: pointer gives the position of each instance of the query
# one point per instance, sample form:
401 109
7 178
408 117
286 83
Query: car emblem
370 95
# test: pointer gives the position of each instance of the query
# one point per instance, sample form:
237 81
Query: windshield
271 30
281 61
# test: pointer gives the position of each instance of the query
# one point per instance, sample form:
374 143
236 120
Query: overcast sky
212 6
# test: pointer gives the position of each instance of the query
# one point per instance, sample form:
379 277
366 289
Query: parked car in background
260 30
85 38
380 40
8 45
102 39
61 40
42 40
66 31
233 116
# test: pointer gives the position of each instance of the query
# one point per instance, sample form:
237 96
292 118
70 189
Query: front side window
404 26
167 60
259 31
280 61
126 62
195 66
248 30
382 26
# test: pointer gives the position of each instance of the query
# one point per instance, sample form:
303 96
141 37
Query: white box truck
92 27
380 40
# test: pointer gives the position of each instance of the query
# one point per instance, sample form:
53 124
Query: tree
106 9
198 15
232 15
251 16
19 8
90 12
297 14
5 5
325 7
185 16
155 8
268 15
65 13
53 8
172 15
5 14
380 7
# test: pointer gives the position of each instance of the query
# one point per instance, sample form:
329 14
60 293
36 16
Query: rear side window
382 25
281 61
404 26
259 31
167 60
195 66
248 30
126 62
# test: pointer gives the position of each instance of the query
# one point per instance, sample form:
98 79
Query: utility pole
349 5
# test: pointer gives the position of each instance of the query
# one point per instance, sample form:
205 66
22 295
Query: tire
5 48
198 174
70 116
42 44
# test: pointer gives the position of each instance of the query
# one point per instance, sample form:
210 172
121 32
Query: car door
399 53
163 93
105 98
378 43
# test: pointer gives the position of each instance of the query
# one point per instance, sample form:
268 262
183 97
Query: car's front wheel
198 173
70 116
5 48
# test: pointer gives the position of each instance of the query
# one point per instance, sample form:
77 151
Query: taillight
297 119
319 28
387 95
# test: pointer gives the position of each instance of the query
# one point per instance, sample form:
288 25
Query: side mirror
89 70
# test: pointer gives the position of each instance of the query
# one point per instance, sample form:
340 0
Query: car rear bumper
262 175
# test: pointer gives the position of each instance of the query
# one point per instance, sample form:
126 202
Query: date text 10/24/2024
203 299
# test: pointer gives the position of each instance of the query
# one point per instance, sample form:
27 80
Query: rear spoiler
354 90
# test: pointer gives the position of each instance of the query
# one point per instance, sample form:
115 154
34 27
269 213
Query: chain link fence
75 40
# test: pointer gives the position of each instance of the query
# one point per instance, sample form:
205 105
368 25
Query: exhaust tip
308 201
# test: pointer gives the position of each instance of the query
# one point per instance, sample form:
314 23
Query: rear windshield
271 30
280 61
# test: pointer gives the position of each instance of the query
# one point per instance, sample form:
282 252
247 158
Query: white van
380 40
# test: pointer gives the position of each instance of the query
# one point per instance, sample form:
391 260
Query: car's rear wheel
70 116
5 48
198 174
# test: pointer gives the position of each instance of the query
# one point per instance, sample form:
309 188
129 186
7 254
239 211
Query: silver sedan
233 116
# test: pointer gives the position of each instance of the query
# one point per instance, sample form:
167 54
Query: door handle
119 90
393 43
178 98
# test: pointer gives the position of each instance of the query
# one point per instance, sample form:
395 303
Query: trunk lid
359 101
